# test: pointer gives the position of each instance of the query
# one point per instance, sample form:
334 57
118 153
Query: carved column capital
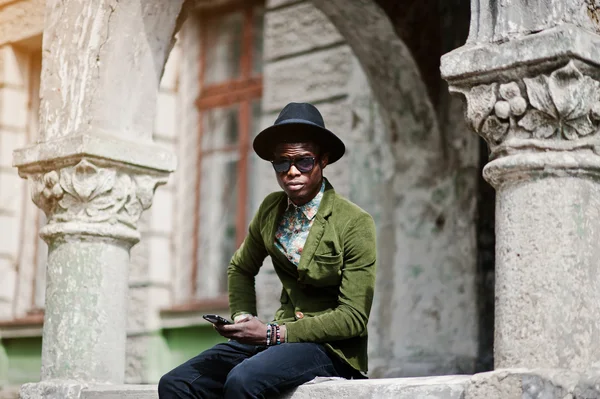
535 100
93 197
554 111
532 116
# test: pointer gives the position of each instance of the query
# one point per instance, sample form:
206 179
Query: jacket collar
317 229
326 206
311 207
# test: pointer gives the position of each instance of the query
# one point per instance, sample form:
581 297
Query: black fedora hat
298 122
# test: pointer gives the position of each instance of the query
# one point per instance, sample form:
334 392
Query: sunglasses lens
305 164
281 166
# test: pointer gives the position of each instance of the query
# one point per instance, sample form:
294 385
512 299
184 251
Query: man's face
300 187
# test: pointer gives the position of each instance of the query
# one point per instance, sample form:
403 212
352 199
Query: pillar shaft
536 102
547 284
88 341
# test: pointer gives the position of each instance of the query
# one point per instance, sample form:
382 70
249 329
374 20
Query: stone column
535 99
93 173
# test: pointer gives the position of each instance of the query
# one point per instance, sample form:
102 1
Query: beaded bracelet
278 335
269 327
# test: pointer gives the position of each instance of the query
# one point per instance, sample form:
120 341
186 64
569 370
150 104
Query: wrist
283 330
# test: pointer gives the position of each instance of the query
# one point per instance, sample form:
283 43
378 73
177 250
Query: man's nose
294 171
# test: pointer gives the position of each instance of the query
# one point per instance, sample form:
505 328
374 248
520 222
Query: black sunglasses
304 164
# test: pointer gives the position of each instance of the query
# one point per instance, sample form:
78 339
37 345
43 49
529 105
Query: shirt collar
311 207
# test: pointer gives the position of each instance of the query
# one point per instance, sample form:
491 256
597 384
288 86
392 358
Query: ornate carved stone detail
88 193
558 111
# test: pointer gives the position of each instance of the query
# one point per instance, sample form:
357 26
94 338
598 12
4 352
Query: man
323 250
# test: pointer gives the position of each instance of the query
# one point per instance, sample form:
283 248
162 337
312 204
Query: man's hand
249 331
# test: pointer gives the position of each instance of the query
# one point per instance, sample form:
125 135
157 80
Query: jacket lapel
318 227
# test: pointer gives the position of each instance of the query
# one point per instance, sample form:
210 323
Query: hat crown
300 111
298 122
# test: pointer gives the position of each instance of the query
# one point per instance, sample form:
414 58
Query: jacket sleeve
244 267
349 319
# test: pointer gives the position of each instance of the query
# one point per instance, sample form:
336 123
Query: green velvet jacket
332 288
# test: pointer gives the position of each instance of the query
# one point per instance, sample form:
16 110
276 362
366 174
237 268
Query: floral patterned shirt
295 225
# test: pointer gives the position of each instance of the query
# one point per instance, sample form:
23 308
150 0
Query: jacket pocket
325 270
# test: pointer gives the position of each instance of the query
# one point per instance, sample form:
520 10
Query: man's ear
324 160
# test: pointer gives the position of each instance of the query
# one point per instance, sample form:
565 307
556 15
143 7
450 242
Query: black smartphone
216 319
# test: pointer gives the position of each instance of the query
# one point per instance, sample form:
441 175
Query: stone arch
424 316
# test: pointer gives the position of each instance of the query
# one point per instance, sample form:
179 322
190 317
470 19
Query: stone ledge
445 387
488 59
498 384
120 391
145 155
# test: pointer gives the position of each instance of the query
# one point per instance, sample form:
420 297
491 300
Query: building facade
92 135
233 66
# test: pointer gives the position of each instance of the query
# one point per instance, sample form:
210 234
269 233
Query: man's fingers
242 318
231 327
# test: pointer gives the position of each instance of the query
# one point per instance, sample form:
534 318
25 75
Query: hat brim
287 131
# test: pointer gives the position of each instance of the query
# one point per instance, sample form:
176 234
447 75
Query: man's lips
294 185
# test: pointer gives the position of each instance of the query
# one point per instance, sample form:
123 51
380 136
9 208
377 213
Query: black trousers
233 370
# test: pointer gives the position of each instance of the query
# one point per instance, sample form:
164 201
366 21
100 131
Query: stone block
160 259
9 141
143 306
164 122
298 28
121 392
446 387
52 389
13 113
269 291
530 384
147 358
313 77
338 175
337 117
161 219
